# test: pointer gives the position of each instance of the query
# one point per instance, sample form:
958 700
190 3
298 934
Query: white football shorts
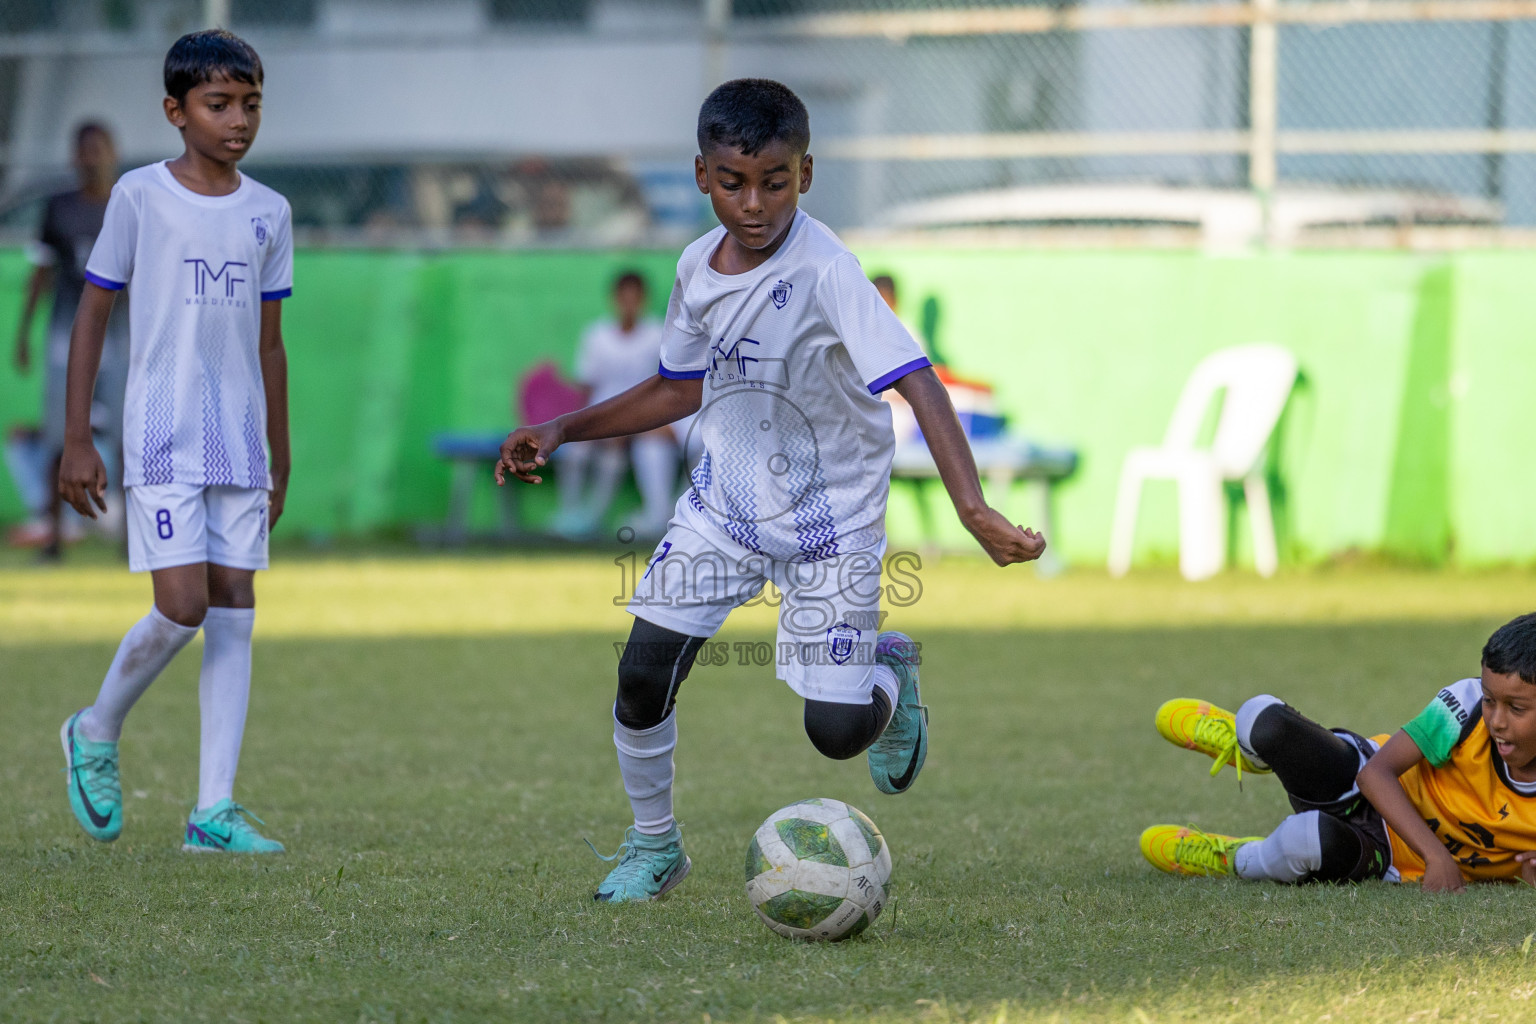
183 524
829 617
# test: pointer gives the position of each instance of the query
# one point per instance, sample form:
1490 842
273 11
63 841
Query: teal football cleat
898 755
95 791
649 867
222 828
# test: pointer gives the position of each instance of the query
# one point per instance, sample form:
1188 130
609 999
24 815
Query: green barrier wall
1410 437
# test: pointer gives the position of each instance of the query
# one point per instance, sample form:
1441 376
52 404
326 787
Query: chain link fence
568 122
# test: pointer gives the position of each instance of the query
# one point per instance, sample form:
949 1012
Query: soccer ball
818 870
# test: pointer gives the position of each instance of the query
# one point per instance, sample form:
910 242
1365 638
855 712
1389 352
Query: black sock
1313 764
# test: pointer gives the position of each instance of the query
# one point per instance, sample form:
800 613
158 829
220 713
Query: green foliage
431 738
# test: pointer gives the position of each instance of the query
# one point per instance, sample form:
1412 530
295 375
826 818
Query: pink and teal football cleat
222 828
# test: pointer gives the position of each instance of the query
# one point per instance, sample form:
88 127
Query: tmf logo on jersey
780 294
203 275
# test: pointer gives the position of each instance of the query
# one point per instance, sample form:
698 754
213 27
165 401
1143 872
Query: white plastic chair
1257 380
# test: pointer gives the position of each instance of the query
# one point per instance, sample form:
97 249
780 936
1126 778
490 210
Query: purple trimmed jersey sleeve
684 341
277 267
882 349
111 262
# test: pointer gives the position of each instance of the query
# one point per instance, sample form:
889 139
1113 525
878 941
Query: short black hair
750 113
630 277
1512 649
87 128
199 57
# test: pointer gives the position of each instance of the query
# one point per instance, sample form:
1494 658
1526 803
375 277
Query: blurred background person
71 222
614 356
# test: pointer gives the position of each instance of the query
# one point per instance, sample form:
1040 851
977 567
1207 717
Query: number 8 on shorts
184 524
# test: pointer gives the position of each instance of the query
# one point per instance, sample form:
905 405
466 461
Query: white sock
656 476
223 693
145 651
571 463
1251 709
1290 853
606 475
885 679
645 762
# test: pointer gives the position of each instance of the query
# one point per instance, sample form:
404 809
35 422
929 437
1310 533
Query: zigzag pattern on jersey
738 463
211 335
252 434
160 411
702 474
815 531
255 453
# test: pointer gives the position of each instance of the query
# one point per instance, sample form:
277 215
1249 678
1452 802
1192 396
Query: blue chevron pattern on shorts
160 412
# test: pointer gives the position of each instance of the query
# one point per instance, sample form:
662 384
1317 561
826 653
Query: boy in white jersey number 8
780 343
208 254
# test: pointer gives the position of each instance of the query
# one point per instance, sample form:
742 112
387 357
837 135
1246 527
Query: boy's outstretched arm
1004 541
82 476
1378 784
274 380
650 404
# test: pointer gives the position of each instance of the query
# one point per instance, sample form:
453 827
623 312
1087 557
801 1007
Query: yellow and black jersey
1464 792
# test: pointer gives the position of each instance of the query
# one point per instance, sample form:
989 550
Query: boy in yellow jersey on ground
1449 799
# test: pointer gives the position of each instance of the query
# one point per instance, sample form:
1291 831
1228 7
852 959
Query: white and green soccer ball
818 869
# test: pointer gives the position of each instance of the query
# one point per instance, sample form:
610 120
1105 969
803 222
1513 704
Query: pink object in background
544 394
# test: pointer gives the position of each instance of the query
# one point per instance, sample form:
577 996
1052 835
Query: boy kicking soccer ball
777 339
1449 799
208 256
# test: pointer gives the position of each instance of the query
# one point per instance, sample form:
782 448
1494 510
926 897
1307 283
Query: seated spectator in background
885 284
71 222
613 357
974 400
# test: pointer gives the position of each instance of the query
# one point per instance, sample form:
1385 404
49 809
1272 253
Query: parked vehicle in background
1213 218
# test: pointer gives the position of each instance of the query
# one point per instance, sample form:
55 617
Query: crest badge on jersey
841 641
261 229
780 294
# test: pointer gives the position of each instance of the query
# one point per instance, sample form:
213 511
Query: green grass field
431 738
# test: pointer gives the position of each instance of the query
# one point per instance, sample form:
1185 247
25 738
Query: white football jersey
793 356
611 362
199 268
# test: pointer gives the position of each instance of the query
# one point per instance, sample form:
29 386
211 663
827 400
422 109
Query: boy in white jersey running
208 255
779 342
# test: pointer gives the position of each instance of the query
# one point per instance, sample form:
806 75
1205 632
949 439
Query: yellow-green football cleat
1201 725
1185 850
